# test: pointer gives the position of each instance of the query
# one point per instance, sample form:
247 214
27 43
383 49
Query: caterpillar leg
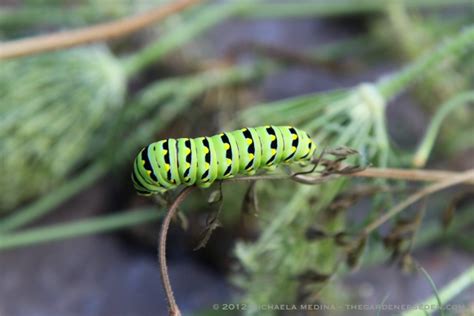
160 200
212 221
315 164
250 203
204 185
269 168
164 200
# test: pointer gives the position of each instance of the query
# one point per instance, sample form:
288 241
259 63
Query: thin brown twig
409 174
387 173
165 279
99 32
451 181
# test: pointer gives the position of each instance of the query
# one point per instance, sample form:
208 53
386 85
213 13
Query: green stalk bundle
50 108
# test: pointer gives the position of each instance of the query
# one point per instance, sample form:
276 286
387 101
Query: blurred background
391 79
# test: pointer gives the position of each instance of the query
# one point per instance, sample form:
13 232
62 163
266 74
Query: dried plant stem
386 173
165 279
468 175
100 32
422 154
409 174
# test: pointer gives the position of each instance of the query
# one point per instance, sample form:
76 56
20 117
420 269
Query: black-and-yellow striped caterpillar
166 164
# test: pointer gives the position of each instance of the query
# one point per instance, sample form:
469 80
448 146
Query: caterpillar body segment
166 164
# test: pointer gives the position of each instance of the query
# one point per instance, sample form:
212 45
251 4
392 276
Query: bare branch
386 173
96 33
409 174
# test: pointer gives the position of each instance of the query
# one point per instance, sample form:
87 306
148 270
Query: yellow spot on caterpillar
267 126
187 151
274 151
226 146
143 162
148 172
249 141
243 129
229 161
206 150
167 167
221 134
294 136
164 152
272 137
206 165
251 156
293 149
188 165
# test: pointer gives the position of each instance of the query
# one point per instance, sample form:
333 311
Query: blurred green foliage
352 117
53 107
67 118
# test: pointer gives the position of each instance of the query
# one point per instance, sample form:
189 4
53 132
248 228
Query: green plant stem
390 86
424 149
208 17
79 228
336 8
43 205
434 288
450 291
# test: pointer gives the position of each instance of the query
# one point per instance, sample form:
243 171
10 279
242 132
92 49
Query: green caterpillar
166 164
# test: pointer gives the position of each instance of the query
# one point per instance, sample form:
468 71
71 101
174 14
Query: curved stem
100 32
165 279
424 149
446 294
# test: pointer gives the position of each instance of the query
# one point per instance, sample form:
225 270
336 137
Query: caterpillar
166 164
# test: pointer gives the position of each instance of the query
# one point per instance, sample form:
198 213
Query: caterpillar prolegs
166 164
